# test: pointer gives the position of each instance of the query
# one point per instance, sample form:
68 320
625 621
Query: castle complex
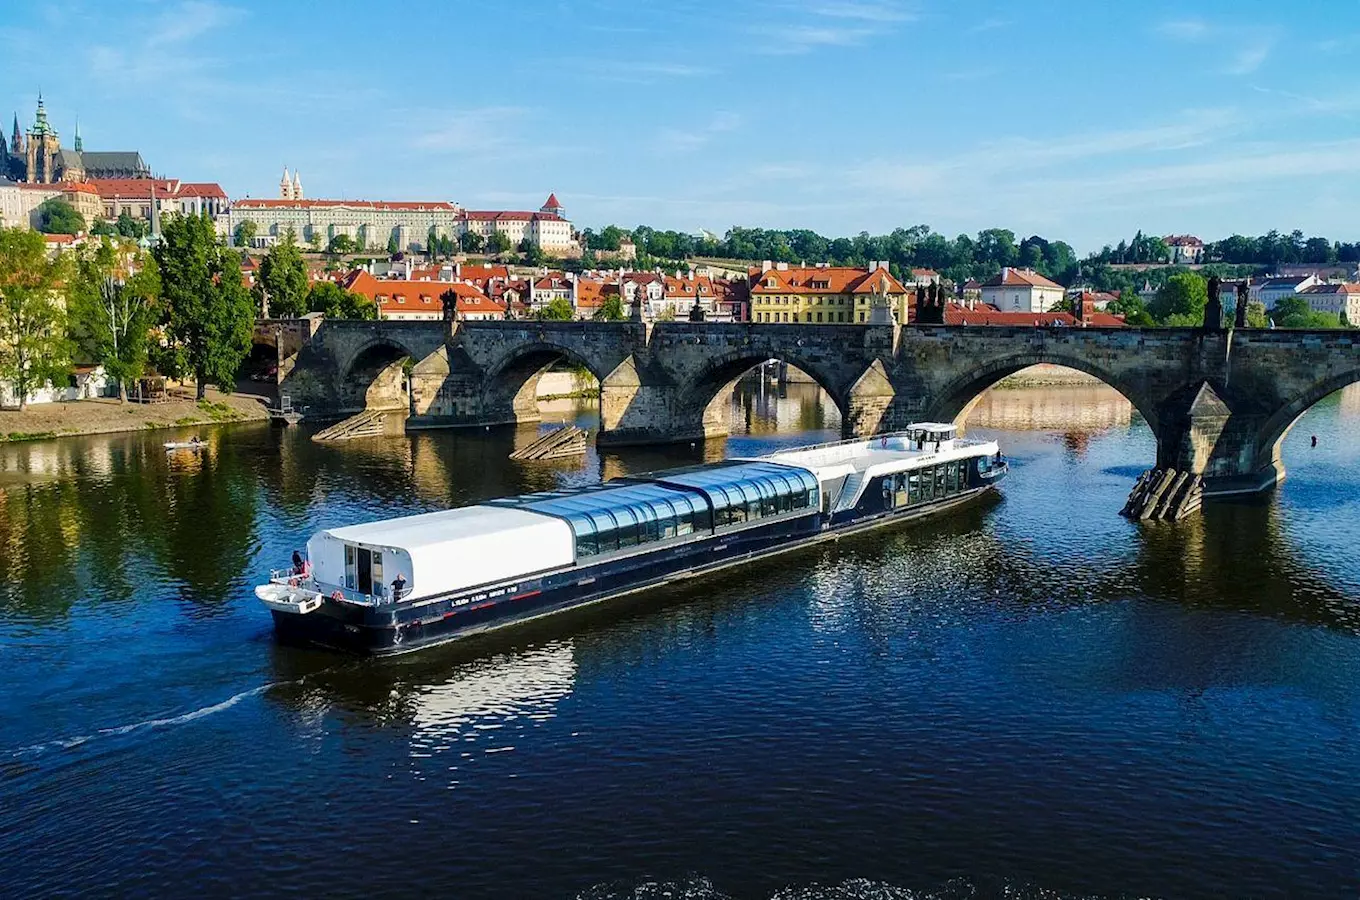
37 157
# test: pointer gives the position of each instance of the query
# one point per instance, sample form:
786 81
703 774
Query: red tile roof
418 296
958 314
1182 240
379 205
552 202
1011 277
483 273
824 280
1332 289
483 215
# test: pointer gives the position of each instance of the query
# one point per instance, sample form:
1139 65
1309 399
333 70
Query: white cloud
1249 59
990 24
865 12
468 130
687 140
1184 29
1247 47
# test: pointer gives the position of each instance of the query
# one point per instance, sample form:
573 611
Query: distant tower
285 186
79 146
16 143
554 207
43 145
297 185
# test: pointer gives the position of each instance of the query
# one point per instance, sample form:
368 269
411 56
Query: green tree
498 243
129 227
56 216
1184 295
334 302
102 228
314 241
471 242
533 254
340 245
34 347
1131 307
611 310
558 310
1256 315
1294 312
283 280
392 245
113 305
245 233
209 312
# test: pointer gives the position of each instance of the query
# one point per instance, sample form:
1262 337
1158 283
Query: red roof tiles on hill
380 205
958 314
1009 277
823 280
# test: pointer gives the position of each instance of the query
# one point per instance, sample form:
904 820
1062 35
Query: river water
1032 697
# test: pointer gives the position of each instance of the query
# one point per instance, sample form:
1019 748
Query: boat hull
404 627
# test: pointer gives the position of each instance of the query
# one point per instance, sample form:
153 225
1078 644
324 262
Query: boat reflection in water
489 701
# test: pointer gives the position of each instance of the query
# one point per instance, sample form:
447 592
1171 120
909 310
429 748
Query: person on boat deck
300 566
398 586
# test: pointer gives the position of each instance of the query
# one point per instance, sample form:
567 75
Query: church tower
79 145
285 186
16 143
43 145
297 185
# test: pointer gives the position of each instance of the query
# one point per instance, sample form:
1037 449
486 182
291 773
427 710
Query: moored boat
397 585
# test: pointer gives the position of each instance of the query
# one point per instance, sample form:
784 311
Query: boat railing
291 578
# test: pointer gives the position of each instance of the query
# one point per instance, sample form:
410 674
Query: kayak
185 445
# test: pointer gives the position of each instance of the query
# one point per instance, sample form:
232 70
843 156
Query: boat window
914 487
928 483
667 526
684 526
350 566
378 580
939 481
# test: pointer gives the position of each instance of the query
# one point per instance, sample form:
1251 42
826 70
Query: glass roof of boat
735 483
603 507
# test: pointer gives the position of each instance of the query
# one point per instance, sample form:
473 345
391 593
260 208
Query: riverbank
1044 375
48 420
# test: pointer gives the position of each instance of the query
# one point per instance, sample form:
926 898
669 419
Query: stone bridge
1219 403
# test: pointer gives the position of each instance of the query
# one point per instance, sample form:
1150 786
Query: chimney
766 266
1005 270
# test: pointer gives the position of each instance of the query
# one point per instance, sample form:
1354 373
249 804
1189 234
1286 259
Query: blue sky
1076 120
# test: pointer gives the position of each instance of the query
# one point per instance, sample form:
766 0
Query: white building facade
1339 299
1022 290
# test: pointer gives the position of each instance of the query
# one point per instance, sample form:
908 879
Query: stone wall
1218 403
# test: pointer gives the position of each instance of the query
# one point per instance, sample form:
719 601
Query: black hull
405 627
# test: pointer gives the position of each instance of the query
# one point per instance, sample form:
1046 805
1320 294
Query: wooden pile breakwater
366 424
568 441
1164 495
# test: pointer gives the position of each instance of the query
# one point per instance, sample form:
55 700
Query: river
1032 697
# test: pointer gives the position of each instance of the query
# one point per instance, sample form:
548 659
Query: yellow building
825 295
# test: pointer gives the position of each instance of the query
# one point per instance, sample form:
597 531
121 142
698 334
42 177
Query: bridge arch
510 388
955 399
1283 420
704 397
374 377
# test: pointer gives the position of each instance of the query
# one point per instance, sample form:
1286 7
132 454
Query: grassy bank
50 420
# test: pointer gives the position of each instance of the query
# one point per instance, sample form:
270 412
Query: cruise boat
401 584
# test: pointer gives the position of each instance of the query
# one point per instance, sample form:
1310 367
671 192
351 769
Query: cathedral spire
79 146
16 144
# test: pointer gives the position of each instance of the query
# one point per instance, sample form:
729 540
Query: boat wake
69 743
696 887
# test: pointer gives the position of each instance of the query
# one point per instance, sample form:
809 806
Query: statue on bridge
449 299
1243 296
1213 310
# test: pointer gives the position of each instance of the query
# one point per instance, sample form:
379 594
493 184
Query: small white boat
288 597
195 444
